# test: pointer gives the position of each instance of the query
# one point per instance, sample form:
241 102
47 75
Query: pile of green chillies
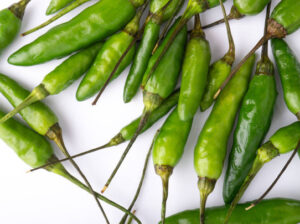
172 67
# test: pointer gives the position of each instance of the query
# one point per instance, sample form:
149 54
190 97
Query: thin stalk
276 180
132 43
55 134
63 12
264 52
167 26
229 34
123 220
75 181
130 219
143 121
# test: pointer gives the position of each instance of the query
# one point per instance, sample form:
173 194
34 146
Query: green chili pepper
56 5
127 132
272 211
93 24
194 72
63 12
250 7
41 118
159 86
10 22
219 70
289 71
253 123
59 79
283 141
108 58
210 150
34 150
168 149
158 13
285 19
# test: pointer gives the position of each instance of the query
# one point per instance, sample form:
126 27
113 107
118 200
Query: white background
42 197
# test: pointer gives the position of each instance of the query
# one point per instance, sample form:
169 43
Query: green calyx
235 14
265 67
18 9
133 26
137 3
229 57
267 152
194 7
151 101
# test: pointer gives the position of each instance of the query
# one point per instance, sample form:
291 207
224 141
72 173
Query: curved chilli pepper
210 150
283 141
289 71
250 7
285 19
63 12
60 78
271 211
168 149
10 22
149 39
93 24
107 59
194 73
41 118
159 86
219 70
34 150
127 132
254 121
56 5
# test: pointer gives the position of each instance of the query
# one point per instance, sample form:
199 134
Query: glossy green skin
164 79
128 131
250 7
213 3
272 211
31 147
104 64
93 24
194 77
56 5
211 147
38 116
70 70
218 72
156 5
287 13
9 28
289 71
141 59
169 145
253 124
286 139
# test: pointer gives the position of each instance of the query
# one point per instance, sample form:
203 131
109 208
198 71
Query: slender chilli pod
219 70
94 24
158 9
285 19
63 12
253 124
107 60
60 78
160 86
194 72
128 131
10 22
168 149
35 151
268 212
41 118
211 147
56 5
241 8
283 141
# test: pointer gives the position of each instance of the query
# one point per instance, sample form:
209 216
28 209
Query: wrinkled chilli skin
267 212
92 25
